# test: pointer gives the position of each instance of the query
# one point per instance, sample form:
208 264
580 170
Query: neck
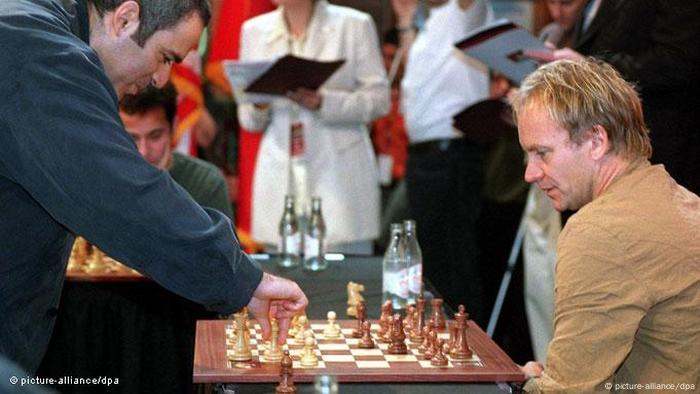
611 168
298 16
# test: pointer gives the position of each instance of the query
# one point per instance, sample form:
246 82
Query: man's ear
124 20
600 144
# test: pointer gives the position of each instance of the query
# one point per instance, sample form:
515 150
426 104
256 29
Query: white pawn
331 330
299 338
308 358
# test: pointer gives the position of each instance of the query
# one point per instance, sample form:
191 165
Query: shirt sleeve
370 97
72 155
599 305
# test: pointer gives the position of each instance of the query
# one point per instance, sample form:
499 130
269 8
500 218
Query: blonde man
627 304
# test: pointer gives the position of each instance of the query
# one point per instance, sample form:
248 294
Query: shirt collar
280 30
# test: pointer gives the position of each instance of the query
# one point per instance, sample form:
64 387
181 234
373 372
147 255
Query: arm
370 97
71 154
598 309
405 11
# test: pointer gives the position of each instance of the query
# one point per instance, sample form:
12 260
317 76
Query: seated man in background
148 117
627 284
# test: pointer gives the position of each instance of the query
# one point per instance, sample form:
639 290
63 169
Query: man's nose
161 76
533 172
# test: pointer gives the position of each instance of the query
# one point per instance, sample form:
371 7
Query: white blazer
341 163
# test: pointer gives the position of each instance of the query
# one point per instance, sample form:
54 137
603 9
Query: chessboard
345 360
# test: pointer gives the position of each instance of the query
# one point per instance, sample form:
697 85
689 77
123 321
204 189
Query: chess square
371 364
400 358
366 352
333 346
338 358
426 364
297 364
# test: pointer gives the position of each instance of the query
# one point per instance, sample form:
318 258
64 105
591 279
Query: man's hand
306 98
559 54
277 298
532 369
404 11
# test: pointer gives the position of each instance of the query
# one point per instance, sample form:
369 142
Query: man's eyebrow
174 56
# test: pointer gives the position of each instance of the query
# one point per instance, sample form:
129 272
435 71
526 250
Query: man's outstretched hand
276 298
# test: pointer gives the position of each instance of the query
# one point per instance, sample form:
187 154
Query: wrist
405 28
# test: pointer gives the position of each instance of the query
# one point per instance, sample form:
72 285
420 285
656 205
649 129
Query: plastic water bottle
394 271
314 239
290 236
414 261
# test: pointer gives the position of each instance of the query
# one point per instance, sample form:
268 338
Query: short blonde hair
581 94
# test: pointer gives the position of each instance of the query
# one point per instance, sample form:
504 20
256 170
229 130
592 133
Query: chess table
343 359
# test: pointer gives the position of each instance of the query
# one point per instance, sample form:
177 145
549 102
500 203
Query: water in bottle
394 271
314 239
290 236
414 261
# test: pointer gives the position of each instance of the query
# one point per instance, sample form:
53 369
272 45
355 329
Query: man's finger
264 322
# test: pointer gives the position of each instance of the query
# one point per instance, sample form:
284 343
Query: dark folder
290 73
486 121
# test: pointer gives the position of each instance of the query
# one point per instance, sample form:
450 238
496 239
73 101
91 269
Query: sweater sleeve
70 152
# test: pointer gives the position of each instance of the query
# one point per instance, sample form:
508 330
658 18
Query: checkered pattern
345 350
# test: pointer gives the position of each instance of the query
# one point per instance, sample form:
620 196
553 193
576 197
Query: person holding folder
338 155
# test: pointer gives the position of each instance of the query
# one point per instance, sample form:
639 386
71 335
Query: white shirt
438 84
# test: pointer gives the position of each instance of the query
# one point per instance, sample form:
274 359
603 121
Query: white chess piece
331 330
309 359
299 338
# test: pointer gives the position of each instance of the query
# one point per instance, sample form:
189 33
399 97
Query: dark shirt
68 167
203 180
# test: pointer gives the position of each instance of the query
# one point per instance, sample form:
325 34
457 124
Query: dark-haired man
148 118
68 167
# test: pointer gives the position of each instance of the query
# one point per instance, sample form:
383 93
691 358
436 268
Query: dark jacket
656 45
68 167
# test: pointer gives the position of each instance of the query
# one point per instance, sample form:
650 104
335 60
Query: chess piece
385 319
78 255
408 322
460 348
241 349
398 337
425 345
96 263
331 330
273 354
437 312
361 317
292 332
416 335
366 342
453 334
286 385
432 342
308 357
301 327
439 359
354 296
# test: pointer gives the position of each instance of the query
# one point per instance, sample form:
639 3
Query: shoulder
187 166
347 13
262 23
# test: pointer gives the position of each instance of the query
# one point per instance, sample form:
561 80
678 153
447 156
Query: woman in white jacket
341 167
